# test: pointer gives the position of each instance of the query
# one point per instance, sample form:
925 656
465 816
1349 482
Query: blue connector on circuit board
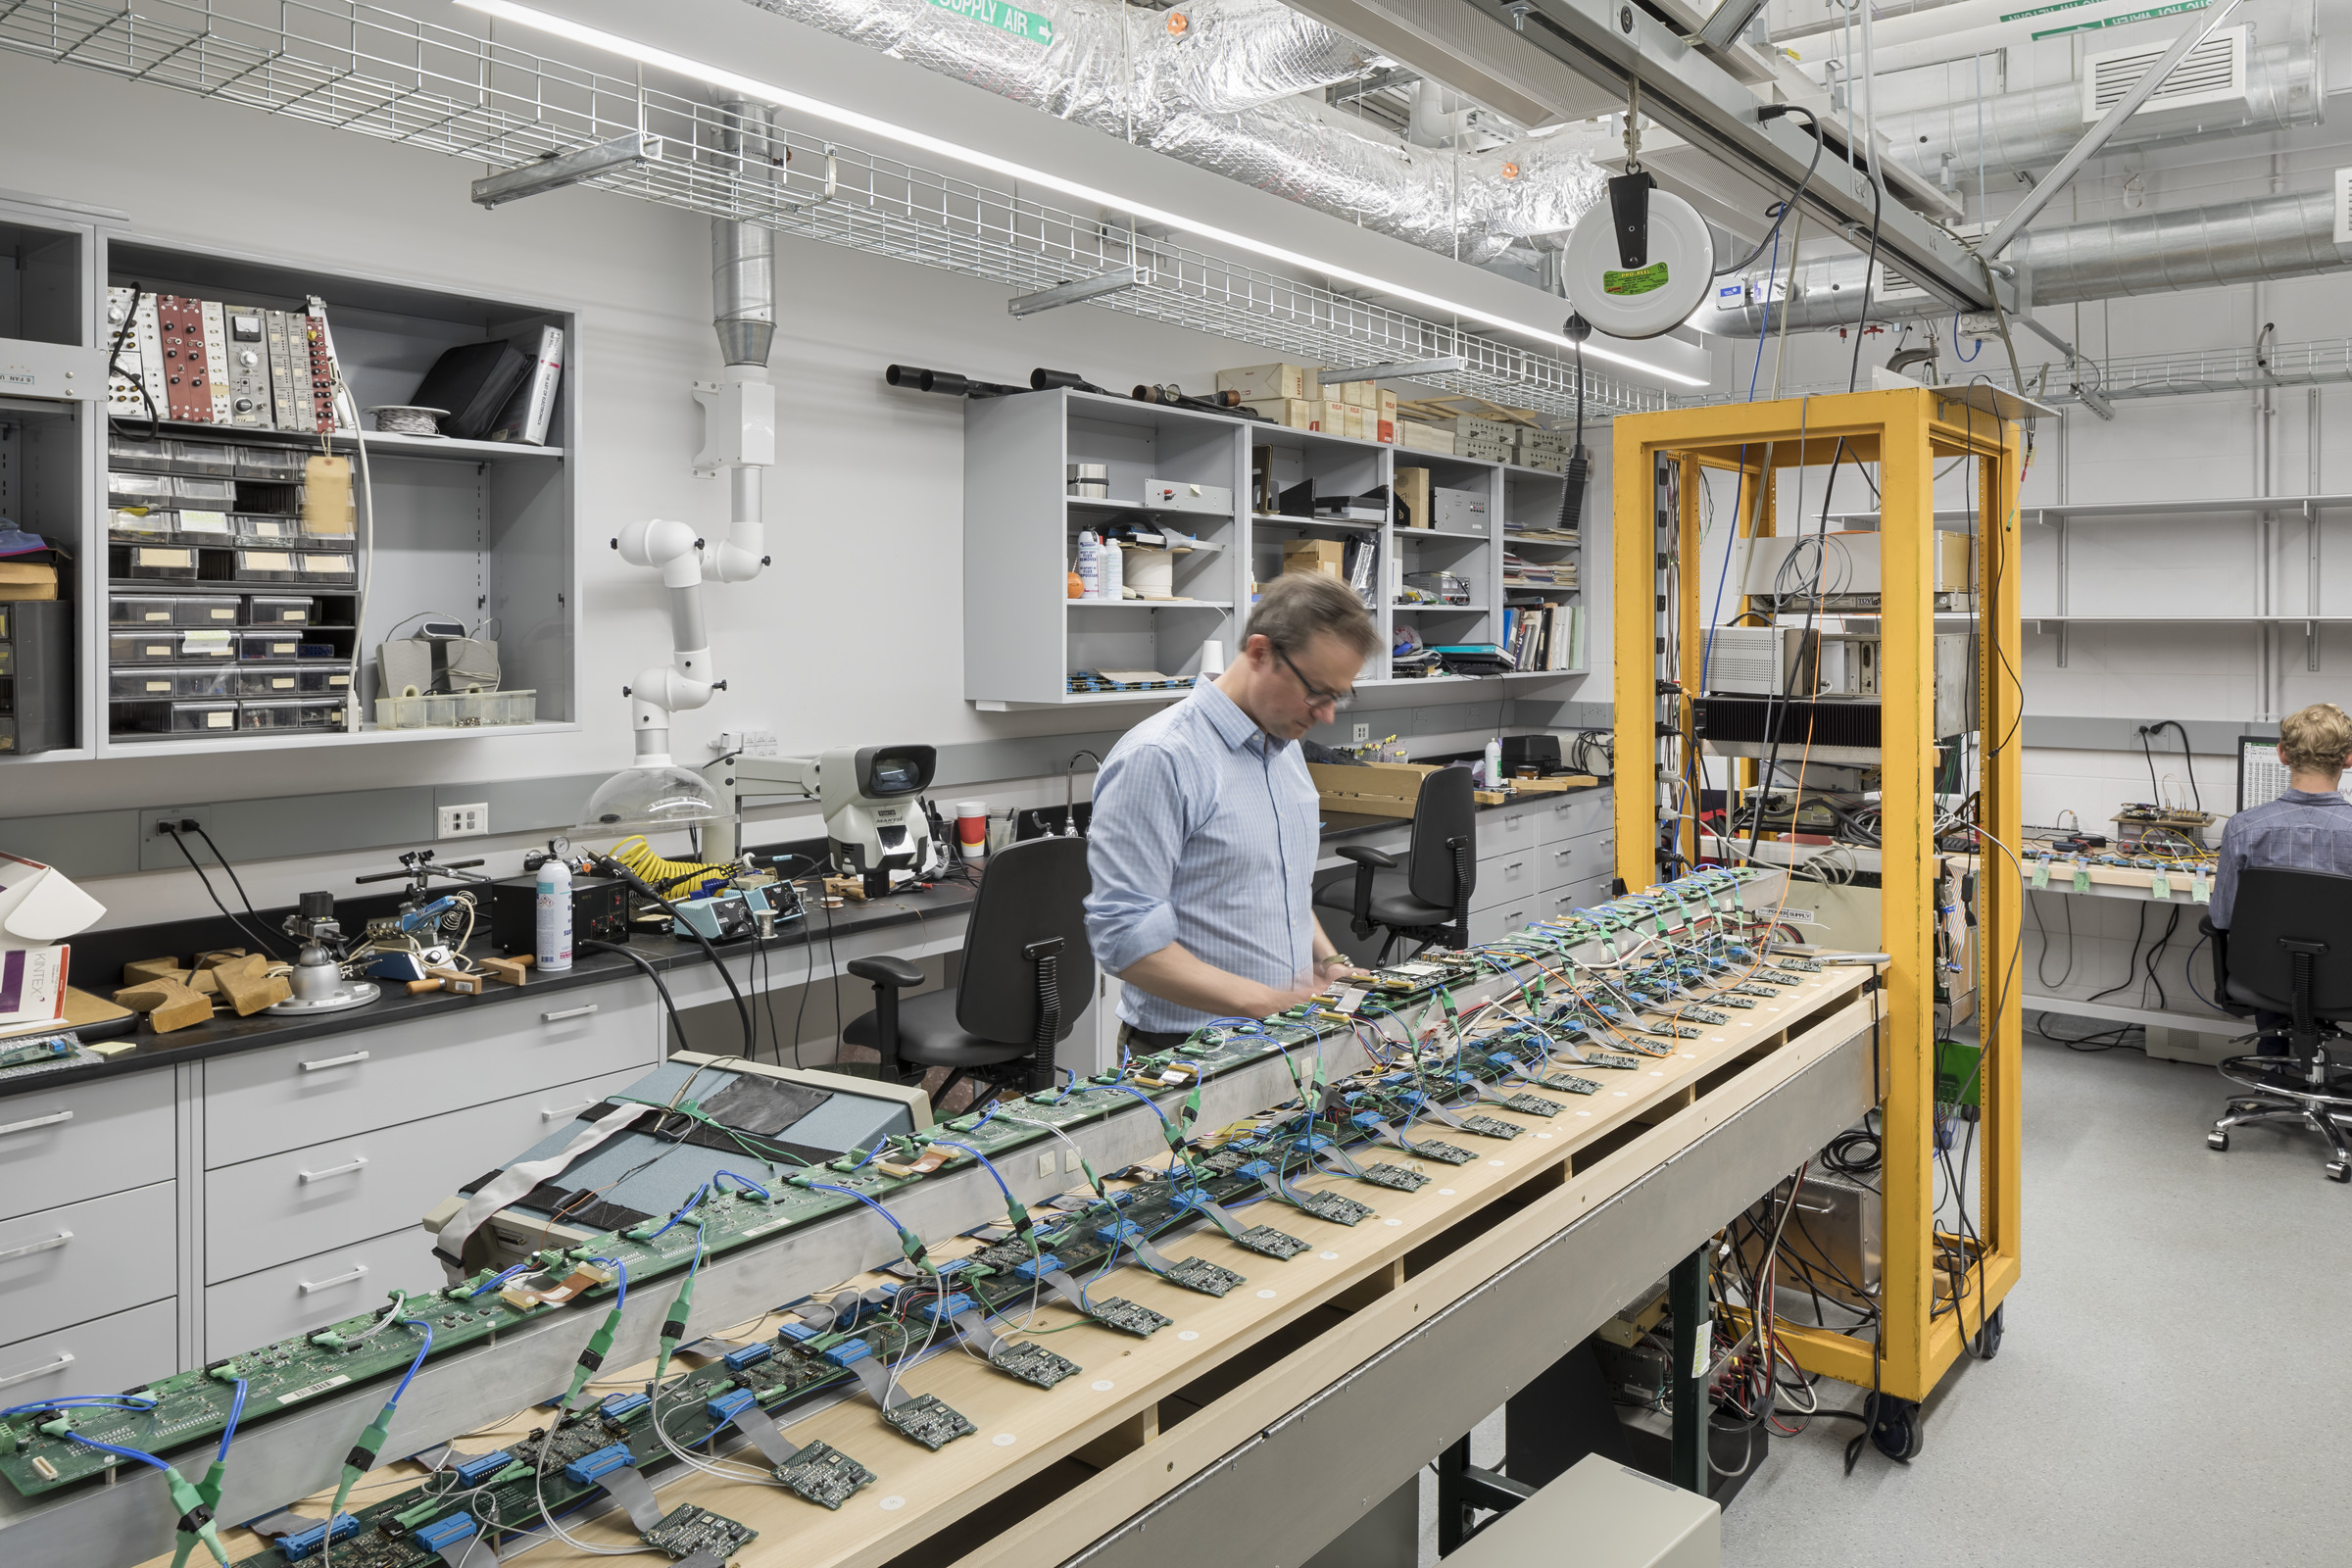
303 1543
749 1356
1124 1231
1257 1170
589 1468
940 1311
443 1534
474 1472
1029 1268
727 1406
849 1353
619 1407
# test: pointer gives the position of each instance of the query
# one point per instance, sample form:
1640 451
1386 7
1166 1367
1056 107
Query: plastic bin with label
262 529
280 610
165 682
281 463
204 525
155 563
138 522
325 566
195 490
172 610
203 458
269 647
155 646
292 680
150 490
265 565
457 710
208 645
174 718
129 455
291 713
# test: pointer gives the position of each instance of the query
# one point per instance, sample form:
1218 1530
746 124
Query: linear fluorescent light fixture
554 173
850 118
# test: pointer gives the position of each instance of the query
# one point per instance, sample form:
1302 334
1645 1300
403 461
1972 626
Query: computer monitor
2261 777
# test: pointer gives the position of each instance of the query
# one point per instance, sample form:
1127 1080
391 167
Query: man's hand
1334 967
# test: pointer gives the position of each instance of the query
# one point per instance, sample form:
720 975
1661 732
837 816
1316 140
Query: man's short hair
2316 739
1298 605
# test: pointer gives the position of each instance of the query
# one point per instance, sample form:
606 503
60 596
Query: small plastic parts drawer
280 610
296 713
203 458
292 680
165 683
175 718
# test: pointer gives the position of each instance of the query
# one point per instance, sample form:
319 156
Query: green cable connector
673 1328
196 1514
207 1492
592 1359
912 1246
361 1457
1022 1224
411 1518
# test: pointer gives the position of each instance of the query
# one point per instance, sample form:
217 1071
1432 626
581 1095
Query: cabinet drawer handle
64 1359
304 1177
50 1120
567 1012
1514 867
30 1248
334 1061
546 1114
306 1287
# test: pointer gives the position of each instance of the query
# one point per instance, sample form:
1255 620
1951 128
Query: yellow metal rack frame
1658 471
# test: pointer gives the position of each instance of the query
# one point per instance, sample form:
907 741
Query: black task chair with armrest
1027 975
2290 951
1425 897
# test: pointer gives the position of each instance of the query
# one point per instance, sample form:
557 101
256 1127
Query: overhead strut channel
1614 41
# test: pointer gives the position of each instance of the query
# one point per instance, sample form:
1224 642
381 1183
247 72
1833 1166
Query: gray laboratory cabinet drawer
100 1357
313 1292
87 1259
307 1200
286 1097
60 1146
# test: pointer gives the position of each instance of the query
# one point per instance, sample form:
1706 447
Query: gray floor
2172 1386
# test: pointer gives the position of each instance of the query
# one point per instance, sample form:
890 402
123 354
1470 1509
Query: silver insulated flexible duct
2034 128
743 256
2237 242
1221 89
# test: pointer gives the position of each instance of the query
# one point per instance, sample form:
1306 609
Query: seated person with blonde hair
2307 828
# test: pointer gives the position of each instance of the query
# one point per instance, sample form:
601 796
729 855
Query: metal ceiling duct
2033 128
1217 84
2266 238
743 256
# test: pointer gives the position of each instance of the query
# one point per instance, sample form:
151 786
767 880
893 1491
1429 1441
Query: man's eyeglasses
1317 696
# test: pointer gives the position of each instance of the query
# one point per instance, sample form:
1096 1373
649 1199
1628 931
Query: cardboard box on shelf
1418 437
1412 490
1387 404
1270 381
1295 414
1470 427
1326 555
1384 431
24 581
1373 789
1355 394
1355 422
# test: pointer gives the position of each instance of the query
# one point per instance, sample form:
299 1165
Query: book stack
1549 636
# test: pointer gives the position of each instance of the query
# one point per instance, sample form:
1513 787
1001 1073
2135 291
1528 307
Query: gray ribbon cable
760 1427
516 1180
1060 1282
976 1329
628 1486
876 1379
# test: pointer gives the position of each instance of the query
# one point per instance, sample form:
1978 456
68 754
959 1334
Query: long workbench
1276 1415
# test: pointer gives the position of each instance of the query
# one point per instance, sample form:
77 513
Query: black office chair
2290 951
1027 975
1425 897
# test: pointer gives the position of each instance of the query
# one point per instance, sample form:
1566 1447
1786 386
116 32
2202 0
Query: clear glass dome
641 800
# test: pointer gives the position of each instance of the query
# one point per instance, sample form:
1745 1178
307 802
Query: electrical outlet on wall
463 821
1364 733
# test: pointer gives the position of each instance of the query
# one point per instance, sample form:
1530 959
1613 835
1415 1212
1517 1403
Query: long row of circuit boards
1583 996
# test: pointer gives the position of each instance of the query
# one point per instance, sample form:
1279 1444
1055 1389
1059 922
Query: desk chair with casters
2290 951
1424 897
1027 975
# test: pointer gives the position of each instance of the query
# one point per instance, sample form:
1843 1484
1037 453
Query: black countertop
99 957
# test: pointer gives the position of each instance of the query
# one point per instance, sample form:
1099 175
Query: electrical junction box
1838 1230
600 912
1618 1516
1458 511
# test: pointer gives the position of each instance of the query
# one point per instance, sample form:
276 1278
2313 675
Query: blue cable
950 1142
422 1350
126 1453
851 1192
742 1180
87 1402
1969 359
496 1280
622 1300
686 1208
236 1410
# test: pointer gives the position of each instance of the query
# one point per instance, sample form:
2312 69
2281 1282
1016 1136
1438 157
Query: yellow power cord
669 876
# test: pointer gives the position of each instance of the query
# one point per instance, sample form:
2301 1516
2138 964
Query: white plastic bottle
554 916
1090 565
1494 762
1113 573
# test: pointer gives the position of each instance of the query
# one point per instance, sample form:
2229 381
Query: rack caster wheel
1895 1432
2338 1171
1989 1338
2218 1140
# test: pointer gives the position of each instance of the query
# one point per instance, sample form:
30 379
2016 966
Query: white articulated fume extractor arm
738 438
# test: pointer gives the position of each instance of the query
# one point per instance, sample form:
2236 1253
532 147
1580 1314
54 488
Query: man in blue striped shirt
2307 828
1205 826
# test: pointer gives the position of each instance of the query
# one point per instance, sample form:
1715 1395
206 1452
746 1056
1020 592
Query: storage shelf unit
1019 654
473 531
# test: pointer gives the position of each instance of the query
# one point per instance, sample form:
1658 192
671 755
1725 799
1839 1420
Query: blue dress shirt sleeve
1132 851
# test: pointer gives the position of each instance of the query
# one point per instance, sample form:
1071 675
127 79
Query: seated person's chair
1425 897
1027 975
2288 951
